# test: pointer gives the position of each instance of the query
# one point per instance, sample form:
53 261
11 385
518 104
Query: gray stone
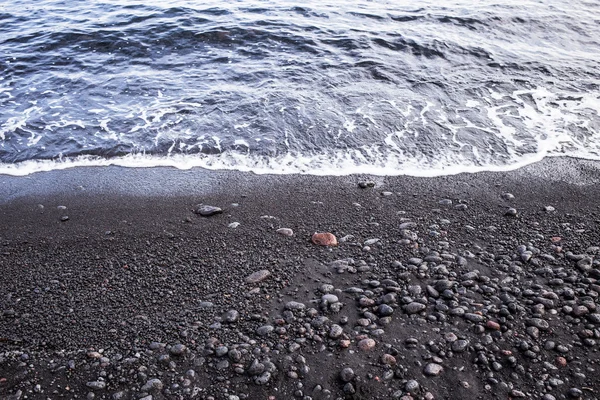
265 330
294 306
347 374
433 369
414 307
96 385
154 384
178 350
538 323
412 386
263 378
336 331
285 232
231 316
258 276
207 211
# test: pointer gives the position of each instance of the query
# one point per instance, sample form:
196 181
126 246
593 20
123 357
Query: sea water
326 87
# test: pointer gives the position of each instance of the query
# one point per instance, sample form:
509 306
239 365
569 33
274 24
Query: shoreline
133 291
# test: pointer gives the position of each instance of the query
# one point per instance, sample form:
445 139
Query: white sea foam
333 164
520 128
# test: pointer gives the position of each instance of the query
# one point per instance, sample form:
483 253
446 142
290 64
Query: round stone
433 369
384 310
366 344
412 386
388 359
336 331
347 374
231 316
178 349
324 239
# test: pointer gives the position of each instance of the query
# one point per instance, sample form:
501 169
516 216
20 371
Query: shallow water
414 88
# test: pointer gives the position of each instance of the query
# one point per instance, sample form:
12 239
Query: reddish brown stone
324 239
561 361
493 325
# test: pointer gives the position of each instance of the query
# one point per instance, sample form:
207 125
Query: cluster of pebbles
445 300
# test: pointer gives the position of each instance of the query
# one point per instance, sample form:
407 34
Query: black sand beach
113 288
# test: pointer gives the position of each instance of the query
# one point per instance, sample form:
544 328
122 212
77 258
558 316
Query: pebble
412 386
511 212
263 378
538 323
294 306
366 344
265 330
151 385
178 349
433 369
492 325
388 359
414 307
347 374
231 316
96 385
329 299
336 331
258 276
206 210
324 239
285 232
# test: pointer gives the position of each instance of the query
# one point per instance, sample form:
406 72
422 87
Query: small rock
178 349
336 331
231 316
207 211
324 239
433 369
96 385
414 307
388 359
294 306
285 232
412 386
258 276
492 325
347 374
366 344
511 212
263 378
264 330
151 385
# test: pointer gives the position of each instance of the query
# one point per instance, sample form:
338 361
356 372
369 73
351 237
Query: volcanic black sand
474 286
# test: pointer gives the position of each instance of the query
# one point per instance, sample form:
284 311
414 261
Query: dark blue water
413 87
